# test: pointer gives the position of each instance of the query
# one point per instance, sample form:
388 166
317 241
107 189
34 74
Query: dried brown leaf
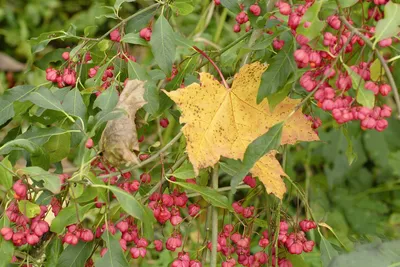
119 138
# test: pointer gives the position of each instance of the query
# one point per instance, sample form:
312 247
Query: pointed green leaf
6 178
76 256
389 26
9 97
67 216
163 44
114 256
50 181
184 172
28 208
73 104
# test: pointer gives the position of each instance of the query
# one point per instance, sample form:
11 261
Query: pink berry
284 8
89 143
176 220
164 122
65 55
115 36
158 245
20 189
236 28
145 178
385 89
145 33
193 209
250 181
217 2
7 233
255 9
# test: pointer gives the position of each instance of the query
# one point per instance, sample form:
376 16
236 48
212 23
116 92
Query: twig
214 227
214 65
381 59
151 159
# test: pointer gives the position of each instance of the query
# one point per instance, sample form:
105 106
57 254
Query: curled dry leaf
119 138
220 122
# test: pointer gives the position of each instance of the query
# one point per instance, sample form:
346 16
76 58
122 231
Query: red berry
255 9
89 143
65 55
164 122
115 36
145 33
145 178
236 28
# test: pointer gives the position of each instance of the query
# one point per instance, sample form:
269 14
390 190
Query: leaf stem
213 63
381 59
214 227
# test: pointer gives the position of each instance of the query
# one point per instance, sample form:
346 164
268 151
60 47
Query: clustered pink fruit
183 260
332 95
245 212
75 233
26 231
166 207
63 78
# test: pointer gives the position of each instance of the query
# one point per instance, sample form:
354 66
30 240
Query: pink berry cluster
76 233
25 230
250 181
167 207
183 260
332 95
296 242
65 76
106 78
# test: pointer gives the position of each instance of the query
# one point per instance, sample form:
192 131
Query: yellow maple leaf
223 122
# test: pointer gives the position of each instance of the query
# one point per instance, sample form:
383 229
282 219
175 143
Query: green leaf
38 156
76 256
256 150
210 195
40 136
76 190
114 256
104 45
133 207
389 25
230 166
371 255
107 100
327 251
376 70
140 20
134 38
278 72
39 43
51 57
118 3
67 216
364 96
58 147
311 16
6 252
184 172
277 97
265 41
6 178
232 5
135 71
44 98
50 181
152 96
73 104
182 9
28 208
9 97
163 44
53 252
347 3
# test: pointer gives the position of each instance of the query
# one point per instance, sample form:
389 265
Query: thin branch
381 59
214 227
213 63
